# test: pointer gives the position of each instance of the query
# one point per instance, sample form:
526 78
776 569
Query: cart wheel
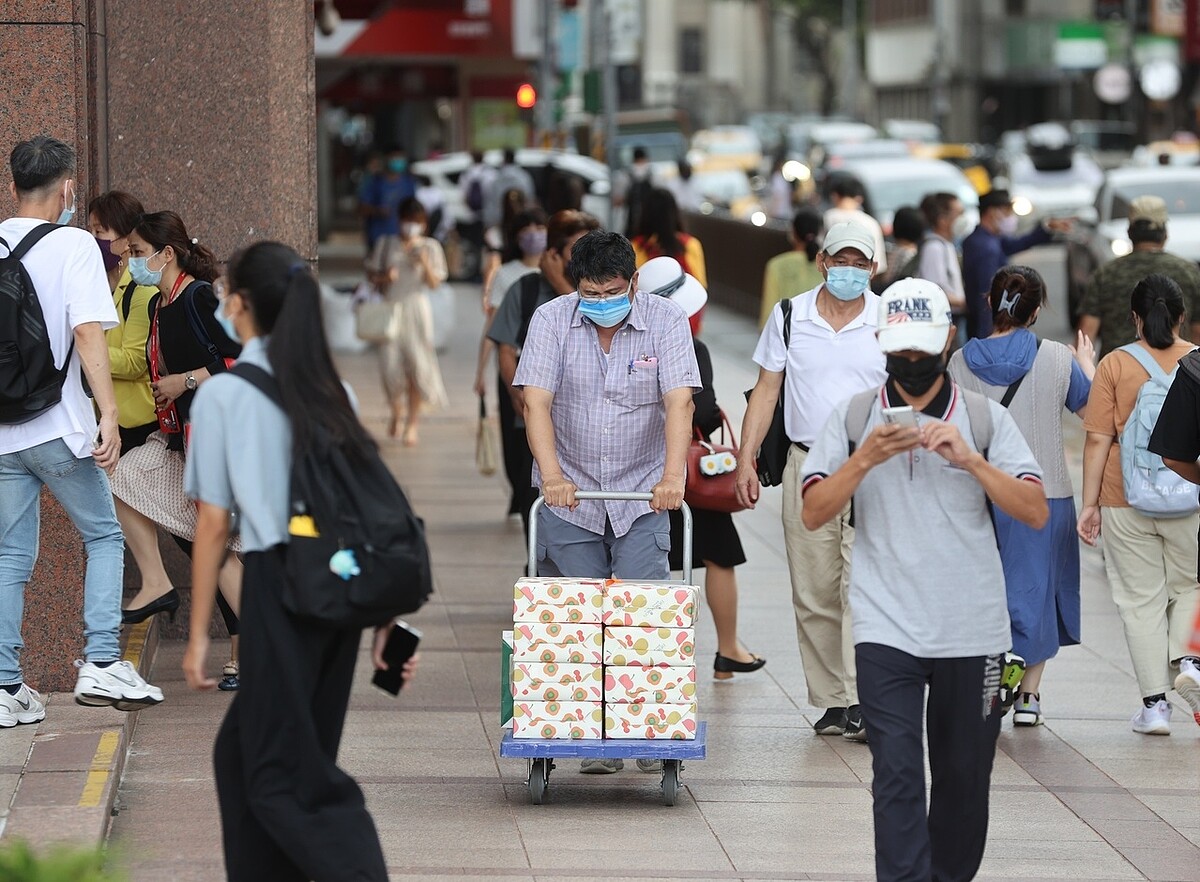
670 781
539 777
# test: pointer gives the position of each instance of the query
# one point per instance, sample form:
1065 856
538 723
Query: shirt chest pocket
641 386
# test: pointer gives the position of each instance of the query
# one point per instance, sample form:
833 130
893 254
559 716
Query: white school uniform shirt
824 367
68 274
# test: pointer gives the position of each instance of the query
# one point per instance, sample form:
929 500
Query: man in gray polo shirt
927 593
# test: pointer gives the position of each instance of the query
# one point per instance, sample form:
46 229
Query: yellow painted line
136 643
93 788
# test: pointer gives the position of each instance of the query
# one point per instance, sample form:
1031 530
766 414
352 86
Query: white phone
900 416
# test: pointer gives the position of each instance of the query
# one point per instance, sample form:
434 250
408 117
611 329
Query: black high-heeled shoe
725 665
168 603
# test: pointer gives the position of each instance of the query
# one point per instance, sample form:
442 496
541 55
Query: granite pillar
204 108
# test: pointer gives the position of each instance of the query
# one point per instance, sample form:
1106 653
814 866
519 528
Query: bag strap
1147 361
1011 391
530 287
857 415
193 316
785 307
260 379
979 414
482 408
31 238
127 298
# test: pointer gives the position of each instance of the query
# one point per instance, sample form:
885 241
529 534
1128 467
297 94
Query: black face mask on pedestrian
916 377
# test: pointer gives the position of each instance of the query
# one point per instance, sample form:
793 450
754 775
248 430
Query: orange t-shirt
1115 387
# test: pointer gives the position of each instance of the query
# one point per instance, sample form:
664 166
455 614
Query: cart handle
613 496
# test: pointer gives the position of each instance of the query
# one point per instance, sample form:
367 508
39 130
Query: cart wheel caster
670 781
539 779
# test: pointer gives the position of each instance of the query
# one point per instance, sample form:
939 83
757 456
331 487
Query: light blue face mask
610 312
847 282
141 273
226 322
67 213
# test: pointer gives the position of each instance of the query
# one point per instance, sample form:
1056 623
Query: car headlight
1022 207
759 219
1121 247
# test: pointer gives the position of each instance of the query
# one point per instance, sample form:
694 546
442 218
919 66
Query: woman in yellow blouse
111 218
660 233
795 271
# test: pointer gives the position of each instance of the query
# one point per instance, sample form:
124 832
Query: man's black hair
510 156
601 256
640 153
994 199
40 161
844 186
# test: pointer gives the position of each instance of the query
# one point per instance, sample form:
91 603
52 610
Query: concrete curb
65 790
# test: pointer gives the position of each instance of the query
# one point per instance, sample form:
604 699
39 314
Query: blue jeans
82 489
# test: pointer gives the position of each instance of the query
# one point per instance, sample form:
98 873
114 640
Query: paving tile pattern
1079 798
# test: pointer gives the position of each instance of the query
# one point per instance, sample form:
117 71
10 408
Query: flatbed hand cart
541 753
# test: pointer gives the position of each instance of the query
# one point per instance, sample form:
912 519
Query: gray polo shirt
925 576
240 453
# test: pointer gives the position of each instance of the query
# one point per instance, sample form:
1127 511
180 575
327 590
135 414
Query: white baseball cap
913 314
664 277
849 234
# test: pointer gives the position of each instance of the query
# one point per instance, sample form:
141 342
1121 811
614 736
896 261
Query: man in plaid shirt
608 376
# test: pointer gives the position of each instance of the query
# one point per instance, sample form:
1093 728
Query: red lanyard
157 367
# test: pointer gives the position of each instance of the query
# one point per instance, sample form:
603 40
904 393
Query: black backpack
355 507
30 384
474 194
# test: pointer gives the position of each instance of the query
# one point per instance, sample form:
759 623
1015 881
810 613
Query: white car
1039 194
444 172
892 184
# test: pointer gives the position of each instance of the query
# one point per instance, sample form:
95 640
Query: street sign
1112 84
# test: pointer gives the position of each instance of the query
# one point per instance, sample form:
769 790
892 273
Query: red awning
446 28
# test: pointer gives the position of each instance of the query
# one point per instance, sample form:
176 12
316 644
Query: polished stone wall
205 108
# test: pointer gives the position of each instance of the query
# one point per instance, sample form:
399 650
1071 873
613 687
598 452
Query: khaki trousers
819 565
1151 566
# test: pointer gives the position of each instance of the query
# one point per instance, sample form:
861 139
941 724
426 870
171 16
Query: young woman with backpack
1150 560
186 348
287 810
1035 379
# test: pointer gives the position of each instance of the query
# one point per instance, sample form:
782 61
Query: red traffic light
526 96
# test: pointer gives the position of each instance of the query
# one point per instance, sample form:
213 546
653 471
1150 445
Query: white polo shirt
824 366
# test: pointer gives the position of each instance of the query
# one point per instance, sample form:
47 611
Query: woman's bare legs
720 589
414 414
229 581
1032 680
141 534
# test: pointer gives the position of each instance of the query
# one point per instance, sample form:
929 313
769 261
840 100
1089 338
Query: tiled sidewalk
1082 797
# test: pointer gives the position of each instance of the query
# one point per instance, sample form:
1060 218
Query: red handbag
711 483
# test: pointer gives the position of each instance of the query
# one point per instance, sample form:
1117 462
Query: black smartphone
400 647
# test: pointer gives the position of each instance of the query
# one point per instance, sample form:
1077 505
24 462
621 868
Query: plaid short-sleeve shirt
608 413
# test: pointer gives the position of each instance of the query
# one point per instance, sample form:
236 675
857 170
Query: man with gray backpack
923 461
55 305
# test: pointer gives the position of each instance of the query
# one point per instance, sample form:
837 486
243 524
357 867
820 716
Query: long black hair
1158 301
284 299
659 220
806 228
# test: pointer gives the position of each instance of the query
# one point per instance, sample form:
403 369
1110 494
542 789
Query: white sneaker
24 707
1027 710
119 685
1187 684
1154 720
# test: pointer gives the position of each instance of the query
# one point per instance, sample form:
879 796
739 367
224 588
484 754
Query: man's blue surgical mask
609 312
847 282
142 274
67 213
398 166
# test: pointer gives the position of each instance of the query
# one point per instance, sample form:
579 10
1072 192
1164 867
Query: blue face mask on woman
609 312
226 322
142 274
847 282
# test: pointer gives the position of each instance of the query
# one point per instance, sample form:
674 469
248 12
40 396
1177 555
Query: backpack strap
857 415
1147 361
1011 391
979 415
31 238
260 379
530 288
127 298
197 325
785 307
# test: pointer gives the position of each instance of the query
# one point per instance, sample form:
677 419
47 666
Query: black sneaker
853 728
832 722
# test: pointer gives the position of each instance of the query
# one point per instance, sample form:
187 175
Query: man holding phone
926 587
832 354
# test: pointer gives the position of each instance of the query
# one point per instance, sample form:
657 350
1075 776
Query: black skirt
714 538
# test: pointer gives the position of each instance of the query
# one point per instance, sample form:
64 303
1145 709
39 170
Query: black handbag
772 454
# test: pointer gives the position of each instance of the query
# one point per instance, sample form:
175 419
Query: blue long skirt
1041 573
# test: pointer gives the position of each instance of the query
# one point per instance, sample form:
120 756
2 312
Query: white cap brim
927 337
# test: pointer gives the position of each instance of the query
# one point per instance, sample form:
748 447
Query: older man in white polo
832 355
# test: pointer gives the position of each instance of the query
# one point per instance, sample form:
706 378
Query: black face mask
915 377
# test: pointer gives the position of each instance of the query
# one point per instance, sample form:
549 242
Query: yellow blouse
127 354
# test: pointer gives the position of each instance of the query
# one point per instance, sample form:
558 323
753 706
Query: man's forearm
1095 456
93 358
1189 471
826 499
679 434
760 409
540 431
1022 500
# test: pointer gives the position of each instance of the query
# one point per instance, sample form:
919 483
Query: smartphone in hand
400 647
903 416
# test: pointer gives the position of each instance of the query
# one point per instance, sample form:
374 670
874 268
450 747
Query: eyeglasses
595 296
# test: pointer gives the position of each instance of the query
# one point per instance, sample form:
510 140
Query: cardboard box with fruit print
632 604
649 647
558 642
662 685
649 721
537 681
571 720
544 599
